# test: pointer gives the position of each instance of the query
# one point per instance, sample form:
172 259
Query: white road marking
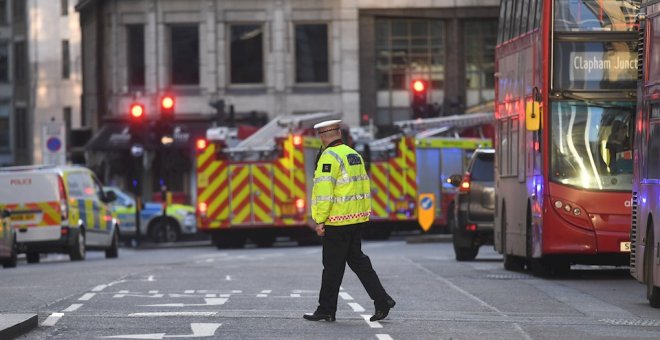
52 319
295 295
262 295
228 278
345 296
153 292
126 293
225 295
99 288
190 291
374 324
210 295
87 296
209 302
383 337
151 278
356 307
266 291
159 314
199 330
73 307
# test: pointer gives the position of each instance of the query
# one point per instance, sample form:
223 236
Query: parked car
473 219
179 219
8 256
58 209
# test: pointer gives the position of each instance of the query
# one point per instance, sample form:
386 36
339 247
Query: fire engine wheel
264 241
652 292
78 250
227 240
165 230
32 257
12 260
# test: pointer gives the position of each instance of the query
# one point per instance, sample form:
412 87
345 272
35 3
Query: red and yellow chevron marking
213 188
50 212
262 193
403 177
239 193
379 190
289 182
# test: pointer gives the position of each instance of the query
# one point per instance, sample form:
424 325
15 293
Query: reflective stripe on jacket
341 192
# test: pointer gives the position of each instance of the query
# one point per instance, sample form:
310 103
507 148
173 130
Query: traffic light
420 89
166 123
136 117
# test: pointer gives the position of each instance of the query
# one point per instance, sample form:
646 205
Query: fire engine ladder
428 127
280 126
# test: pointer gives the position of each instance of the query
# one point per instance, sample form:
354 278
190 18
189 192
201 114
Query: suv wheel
466 254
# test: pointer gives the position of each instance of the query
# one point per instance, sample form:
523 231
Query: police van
60 209
8 256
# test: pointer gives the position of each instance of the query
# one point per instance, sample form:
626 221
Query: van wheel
13 257
466 254
165 230
113 251
78 250
652 292
32 257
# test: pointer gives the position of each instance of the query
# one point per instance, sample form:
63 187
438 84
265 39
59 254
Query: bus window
595 15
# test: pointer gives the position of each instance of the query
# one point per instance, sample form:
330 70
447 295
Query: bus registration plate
624 247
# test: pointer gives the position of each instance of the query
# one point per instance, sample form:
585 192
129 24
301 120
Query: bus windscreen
595 15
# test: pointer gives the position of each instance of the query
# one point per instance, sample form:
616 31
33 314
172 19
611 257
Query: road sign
53 143
426 210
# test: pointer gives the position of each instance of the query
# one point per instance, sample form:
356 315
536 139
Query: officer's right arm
325 177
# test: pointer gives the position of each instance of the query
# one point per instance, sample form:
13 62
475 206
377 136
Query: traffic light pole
137 186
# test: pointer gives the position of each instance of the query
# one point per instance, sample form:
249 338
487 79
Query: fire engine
260 188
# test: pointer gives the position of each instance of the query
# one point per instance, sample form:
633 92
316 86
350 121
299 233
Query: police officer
341 204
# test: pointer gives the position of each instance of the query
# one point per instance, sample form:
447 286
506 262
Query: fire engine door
251 194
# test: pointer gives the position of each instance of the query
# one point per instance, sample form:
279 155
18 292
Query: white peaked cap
327 123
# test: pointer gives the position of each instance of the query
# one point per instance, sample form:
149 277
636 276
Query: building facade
357 57
40 75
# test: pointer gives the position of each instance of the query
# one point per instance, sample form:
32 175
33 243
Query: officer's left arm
325 179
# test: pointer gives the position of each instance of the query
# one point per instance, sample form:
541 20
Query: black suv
473 218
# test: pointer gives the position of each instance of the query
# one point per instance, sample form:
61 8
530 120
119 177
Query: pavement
13 325
429 238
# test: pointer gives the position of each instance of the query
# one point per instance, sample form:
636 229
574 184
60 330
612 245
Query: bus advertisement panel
565 108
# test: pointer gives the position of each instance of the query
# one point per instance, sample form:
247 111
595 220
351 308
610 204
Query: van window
80 185
482 169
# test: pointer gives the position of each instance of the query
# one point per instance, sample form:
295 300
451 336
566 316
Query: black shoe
318 316
381 312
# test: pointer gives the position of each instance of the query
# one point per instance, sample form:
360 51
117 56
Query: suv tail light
465 183
64 205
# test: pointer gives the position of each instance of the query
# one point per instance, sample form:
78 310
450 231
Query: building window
20 128
4 125
312 53
247 54
479 39
64 7
66 60
136 56
19 10
3 12
185 54
20 62
4 62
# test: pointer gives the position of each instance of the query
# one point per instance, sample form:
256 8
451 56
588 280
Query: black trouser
342 245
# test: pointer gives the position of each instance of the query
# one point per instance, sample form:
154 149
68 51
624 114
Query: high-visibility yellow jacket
341 193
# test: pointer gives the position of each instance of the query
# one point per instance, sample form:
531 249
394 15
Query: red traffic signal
136 111
419 86
167 106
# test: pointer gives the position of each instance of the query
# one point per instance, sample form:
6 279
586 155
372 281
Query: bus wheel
511 262
652 292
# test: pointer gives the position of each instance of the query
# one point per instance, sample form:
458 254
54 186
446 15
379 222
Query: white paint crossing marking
210 295
225 295
356 307
87 296
209 302
262 295
345 296
159 314
125 293
383 337
73 307
52 319
199 330
374 324
99 288
295 295
228 277
153 292
190 291
151 278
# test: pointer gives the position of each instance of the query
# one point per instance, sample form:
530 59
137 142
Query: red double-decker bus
565 105
645 228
